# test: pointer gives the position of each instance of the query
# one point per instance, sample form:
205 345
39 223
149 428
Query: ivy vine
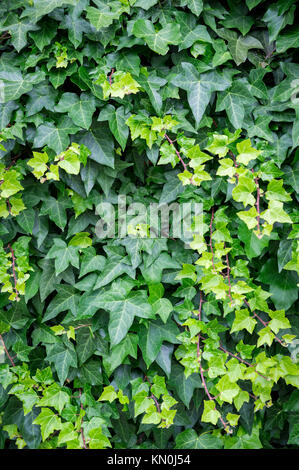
137 341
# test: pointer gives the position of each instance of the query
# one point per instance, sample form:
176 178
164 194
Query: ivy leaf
18 29
113 270
228 390
101 18
66 299
14 85
151 338
257 86
265 336
108 394
43 7
55 136
287 40
26 220
55 397
152 83
199 87
48 279
127 347
246 152
48 422
157 41
79 109
100 142
239 45
242 321
81 240
233 101
145 4
91 262
67 433
63 357
123 84
279 321
249 217
6 111
222 54
276 192
45 34
10 184
190 31
39 164
117 123
237 19
196 6
98 440
284 254
184 386
56 210
275 213
253 245
122 311
63 255
75 24
261 128
91 372
244 189
210 413
42 96
86 344
189 439
282 285
294 432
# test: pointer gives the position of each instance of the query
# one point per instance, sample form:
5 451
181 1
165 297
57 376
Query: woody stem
176 151
82 432
6 351
14 269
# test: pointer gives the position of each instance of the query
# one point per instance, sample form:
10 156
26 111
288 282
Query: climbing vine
138 340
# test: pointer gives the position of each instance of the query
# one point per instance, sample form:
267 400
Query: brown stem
234 158
201 369
235 163
6 351
262 322
211 245
152 395
81 326
204 382
4 36
176 151
141 437
257 205
13 270
228 275
270 53
200 305
9 206
110 76
82 432
156 402
242 360
179 156
15 158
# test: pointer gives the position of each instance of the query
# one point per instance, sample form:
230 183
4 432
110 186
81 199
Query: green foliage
141 342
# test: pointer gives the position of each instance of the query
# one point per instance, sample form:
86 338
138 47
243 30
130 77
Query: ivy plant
138 341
